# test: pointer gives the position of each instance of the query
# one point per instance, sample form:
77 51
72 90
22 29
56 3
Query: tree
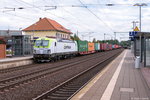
75 37
94 40
125 43
109 41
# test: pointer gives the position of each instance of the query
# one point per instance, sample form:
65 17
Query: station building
46 27
16 44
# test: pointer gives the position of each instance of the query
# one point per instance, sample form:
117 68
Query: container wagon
91 47
102 46
110 46
97 47
113 46
82 47
105 46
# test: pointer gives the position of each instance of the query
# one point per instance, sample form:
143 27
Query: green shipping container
82 46
97 46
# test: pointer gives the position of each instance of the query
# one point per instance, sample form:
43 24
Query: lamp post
140 47
140 5
114 35
104 36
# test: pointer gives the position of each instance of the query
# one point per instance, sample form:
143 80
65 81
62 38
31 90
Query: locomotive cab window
45 43
38 43
41 43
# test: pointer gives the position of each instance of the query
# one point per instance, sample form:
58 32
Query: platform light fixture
140 5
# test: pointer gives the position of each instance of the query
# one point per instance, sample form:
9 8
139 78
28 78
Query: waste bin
137 62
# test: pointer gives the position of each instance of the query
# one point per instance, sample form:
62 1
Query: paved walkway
146 74
118 81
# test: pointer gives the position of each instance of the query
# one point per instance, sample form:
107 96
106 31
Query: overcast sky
91 18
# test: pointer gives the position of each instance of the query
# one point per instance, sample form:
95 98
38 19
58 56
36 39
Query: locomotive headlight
49 51
34 51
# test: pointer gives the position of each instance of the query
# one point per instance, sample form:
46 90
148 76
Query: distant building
10 32
47 28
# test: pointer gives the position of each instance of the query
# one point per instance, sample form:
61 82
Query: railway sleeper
73 86
65 92
70 88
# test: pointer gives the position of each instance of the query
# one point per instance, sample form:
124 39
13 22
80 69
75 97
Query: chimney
40 18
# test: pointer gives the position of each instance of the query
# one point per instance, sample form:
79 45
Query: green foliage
109 41
125 43
71 37
75 37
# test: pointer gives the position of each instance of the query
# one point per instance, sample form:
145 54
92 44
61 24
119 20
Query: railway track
11 82
7 70
67 89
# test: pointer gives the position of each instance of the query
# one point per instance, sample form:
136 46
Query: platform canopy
143 34
142 47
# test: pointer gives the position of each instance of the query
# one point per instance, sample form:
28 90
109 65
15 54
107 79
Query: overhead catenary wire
66 18
18 16
57 6
97 17
38 7
87 27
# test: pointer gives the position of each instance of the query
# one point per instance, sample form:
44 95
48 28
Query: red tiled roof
46 24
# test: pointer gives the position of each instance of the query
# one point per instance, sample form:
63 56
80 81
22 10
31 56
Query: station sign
132 35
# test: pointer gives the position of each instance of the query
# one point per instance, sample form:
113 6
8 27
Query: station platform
15 62
15 59
120 80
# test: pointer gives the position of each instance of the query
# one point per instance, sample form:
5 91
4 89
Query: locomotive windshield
41 43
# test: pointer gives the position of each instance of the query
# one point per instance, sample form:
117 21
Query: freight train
49 49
